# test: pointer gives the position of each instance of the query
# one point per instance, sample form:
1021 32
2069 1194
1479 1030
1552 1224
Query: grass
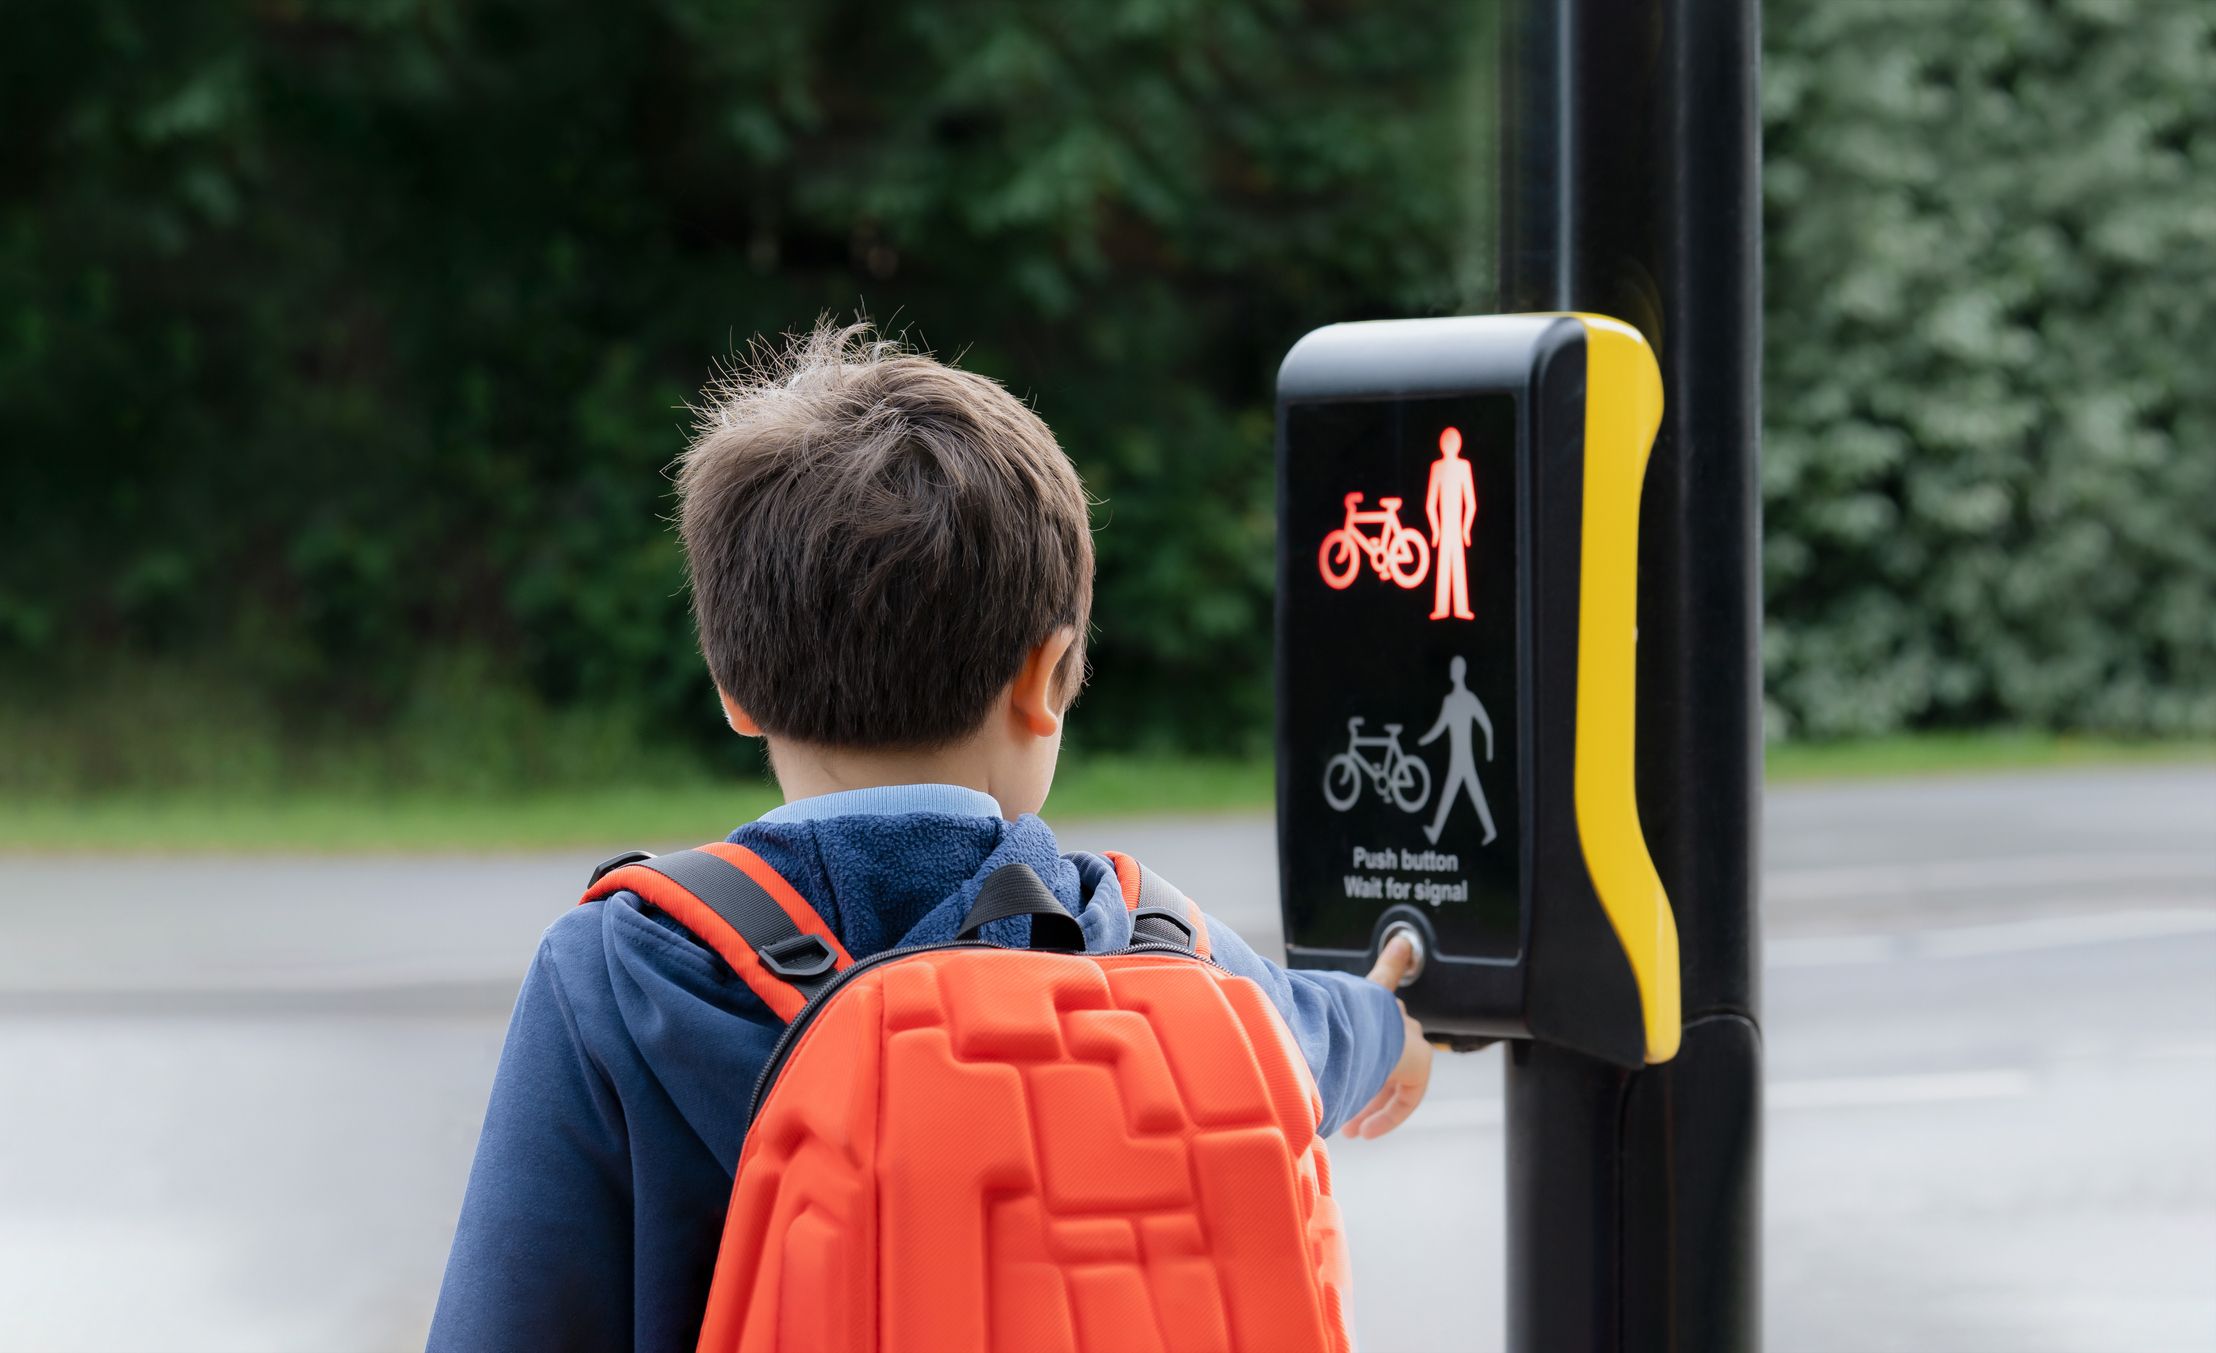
342 820
1921 754
346 820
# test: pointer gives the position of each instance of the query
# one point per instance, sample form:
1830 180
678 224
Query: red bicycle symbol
1394 552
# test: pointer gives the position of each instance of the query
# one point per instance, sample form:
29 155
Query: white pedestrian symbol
1456 714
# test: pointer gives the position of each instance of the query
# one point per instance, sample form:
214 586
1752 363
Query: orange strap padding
688 910
1142 887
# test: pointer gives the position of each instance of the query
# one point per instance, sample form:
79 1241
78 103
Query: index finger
1393 962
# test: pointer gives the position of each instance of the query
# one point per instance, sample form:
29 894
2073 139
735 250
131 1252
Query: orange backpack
964 1148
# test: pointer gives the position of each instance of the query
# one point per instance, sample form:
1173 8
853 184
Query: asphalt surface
241 1096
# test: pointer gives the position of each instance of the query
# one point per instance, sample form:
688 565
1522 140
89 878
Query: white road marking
2176 1052
1999 937
1827 1092
2036 871
1832 951
1871 1091
2062 932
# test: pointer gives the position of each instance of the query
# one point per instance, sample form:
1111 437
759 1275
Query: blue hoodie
597 1199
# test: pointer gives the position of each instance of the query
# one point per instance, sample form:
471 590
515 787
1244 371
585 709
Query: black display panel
1390 618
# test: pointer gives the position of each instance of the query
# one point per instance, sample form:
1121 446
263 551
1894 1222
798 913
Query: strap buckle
798 958
1156 922
615 862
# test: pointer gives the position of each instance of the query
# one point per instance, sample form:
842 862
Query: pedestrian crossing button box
1457 547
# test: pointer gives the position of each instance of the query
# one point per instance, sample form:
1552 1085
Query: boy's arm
1410 1077
542 1255
1350 1029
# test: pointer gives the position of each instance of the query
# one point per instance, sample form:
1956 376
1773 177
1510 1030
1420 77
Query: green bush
1990 463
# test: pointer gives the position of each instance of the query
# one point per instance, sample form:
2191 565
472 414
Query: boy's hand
1411 1075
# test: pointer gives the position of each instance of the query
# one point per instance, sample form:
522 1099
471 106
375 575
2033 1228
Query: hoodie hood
879 882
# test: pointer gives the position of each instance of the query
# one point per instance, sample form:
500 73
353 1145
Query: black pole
1631 187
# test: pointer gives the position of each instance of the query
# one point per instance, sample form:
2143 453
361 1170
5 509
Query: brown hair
876 541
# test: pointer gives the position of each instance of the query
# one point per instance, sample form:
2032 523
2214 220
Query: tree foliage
344 335
344 343
1990 459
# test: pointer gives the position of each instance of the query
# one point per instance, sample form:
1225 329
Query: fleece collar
889 801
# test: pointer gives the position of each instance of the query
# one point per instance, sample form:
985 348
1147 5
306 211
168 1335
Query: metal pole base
1657 1246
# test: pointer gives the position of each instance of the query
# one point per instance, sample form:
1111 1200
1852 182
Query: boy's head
884 552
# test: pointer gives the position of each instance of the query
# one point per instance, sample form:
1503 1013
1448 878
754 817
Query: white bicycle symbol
1403 779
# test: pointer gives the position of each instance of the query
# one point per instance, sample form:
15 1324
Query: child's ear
1035 698
736 717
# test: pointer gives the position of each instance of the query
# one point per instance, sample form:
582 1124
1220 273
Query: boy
892 572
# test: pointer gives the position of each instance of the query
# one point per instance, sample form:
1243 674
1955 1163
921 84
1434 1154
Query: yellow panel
1623 409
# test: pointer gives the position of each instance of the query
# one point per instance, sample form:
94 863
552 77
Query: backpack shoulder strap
1145 890
741 908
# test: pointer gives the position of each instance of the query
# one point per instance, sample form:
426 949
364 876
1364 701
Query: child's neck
806 770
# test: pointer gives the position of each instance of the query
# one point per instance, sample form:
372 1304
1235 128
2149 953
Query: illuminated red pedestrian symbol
1394 552
1450 505
1403 555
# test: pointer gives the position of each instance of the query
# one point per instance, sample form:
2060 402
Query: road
242 1095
